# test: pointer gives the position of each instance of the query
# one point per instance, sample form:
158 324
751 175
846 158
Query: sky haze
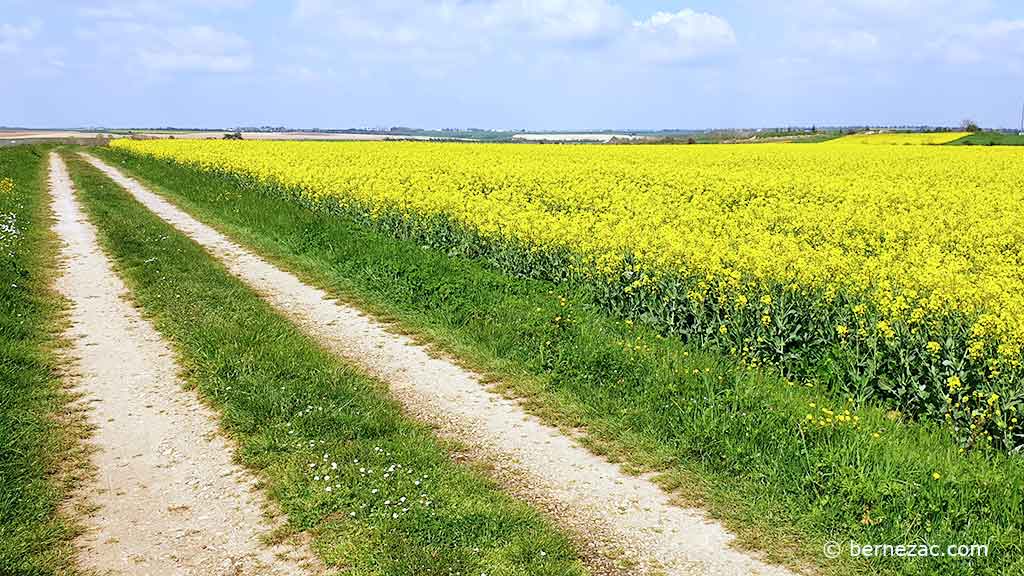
510 64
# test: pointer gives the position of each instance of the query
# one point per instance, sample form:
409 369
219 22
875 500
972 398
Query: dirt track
168 499
583 491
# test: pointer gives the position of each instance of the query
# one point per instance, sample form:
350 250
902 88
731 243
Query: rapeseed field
889 273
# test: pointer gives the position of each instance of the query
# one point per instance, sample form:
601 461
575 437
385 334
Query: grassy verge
783 465
379 494
990 139
40 457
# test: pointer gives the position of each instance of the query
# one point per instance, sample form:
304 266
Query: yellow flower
885 329
936 476
897 138
706 221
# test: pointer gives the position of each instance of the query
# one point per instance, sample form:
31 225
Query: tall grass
40 459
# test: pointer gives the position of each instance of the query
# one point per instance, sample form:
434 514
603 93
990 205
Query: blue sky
534 64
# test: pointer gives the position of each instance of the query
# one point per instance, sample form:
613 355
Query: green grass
732 439
40 458
300 416
990 139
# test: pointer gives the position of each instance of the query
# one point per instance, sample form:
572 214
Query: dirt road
581 490
168 499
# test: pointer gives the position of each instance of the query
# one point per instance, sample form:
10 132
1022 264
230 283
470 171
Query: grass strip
379 494
40 458
782 464
990 139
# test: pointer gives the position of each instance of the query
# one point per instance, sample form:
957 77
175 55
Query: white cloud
884 12
683 36
449 34
157 49
852 43
885 33
998 42
155 36
302 73
197 48
460 22
560 20
159 10
13 37
121 10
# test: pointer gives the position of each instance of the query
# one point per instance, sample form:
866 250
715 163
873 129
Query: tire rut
166 498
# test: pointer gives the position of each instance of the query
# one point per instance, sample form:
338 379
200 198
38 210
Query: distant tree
968 125
233 136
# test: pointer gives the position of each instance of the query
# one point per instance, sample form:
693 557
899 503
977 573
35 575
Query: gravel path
581 490
168 500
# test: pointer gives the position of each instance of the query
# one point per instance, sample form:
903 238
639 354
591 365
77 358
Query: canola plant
890 273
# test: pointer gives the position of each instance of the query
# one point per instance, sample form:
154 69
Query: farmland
900 138
796 257
801 344
377 491
789 451
511 288
991 139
